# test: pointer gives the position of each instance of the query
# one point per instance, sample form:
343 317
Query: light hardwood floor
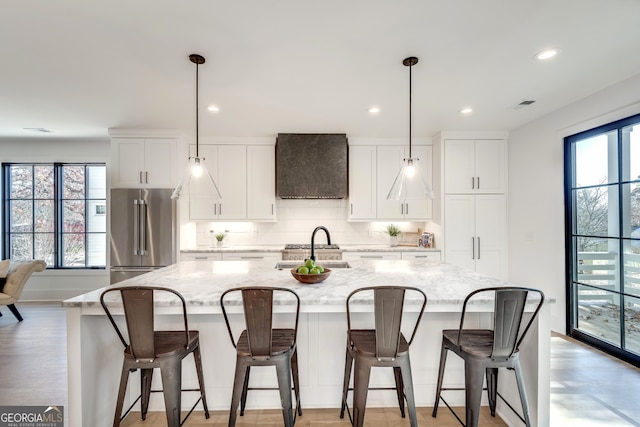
588 388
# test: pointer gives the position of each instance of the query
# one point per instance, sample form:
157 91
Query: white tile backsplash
296 220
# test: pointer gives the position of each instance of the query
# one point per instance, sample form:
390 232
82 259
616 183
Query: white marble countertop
202 282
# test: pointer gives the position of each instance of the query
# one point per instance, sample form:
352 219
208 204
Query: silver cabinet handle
478 178
371 257
201 257
140 178
215 209
136 228
143 227
478 248
473 183
406 210
271 208
351 208
473 248
402 208
251 257
146 177
220 208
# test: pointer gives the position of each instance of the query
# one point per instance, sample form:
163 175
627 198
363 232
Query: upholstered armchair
17 274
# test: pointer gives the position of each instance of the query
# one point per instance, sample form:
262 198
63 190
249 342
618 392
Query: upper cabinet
389 162
139 162
372 170
245 175
475 166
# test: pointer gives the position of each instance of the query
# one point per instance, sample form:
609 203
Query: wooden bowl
310 279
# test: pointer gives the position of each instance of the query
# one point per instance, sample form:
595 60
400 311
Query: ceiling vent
523 104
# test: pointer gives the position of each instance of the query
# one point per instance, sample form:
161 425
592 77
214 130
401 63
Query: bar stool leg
171 371
283 370
474 379
399 389
245 389
492 389
198 361
443 361
362 372
347 376
523 392
124 378
146 375
405 369
296 380
238 382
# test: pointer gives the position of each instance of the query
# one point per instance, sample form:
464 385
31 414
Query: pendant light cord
410 67
197 114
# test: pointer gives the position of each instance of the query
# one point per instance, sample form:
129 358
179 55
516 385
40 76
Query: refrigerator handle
143 227
136 227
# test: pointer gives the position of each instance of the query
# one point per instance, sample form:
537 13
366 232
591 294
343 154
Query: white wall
59 284
536 188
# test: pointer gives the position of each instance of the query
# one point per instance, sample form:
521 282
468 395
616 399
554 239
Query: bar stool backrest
138 307
509 308
258 315
388 310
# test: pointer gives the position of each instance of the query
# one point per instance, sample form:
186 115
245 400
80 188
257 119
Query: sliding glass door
602 187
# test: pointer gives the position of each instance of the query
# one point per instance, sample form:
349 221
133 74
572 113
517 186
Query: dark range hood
311 166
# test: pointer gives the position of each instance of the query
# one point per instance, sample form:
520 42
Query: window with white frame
55 212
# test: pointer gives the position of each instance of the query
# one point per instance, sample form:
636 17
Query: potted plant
220 238
393 231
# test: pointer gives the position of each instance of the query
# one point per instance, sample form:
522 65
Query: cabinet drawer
432 256
201 256
370 255
251 256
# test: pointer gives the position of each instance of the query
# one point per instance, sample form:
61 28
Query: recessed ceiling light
374 110
546 54
213 108
466 110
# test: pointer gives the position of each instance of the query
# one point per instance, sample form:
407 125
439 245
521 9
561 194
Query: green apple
310 263
321 268
314 270
302 270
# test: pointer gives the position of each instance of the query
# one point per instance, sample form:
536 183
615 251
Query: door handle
473 183
220 208
146 177
478 178
478 248
140 178
406 209
136 228
401 208
143 227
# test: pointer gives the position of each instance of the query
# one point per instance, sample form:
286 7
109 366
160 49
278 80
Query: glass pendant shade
196 181
410 182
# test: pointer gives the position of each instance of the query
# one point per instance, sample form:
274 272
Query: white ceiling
79 67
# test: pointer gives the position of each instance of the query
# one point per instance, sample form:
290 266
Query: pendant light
196 177
410 182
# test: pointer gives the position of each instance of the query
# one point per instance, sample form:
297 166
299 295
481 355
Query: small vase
393 241
220 243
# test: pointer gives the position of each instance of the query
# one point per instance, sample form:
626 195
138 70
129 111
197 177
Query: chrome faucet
313 237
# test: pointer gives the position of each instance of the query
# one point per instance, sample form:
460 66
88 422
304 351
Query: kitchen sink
281 265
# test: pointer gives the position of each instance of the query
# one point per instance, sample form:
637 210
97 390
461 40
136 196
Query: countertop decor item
310 279
220 238
410 182
393 231
196 169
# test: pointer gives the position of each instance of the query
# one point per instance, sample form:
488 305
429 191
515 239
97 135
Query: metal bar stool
486 350
149 349
383 346
260 344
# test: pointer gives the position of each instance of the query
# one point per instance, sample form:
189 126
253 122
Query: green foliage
393 230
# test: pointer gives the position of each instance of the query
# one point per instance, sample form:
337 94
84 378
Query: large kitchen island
95 352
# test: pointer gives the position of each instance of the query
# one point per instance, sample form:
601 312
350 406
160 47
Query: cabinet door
261 182
420 209
128 162
202 204
200 256
389 162
459 166
372 255
160 163
459 231
491 240
490 166
421 255
251 256
362 182
232 181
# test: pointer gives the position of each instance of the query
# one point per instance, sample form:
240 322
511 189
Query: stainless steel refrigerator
142 231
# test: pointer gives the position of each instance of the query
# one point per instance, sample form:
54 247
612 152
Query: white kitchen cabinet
143 162
389 162
261 183
351 256
475 233
475 166
201 256
362 183
227 164
428 255
251 256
